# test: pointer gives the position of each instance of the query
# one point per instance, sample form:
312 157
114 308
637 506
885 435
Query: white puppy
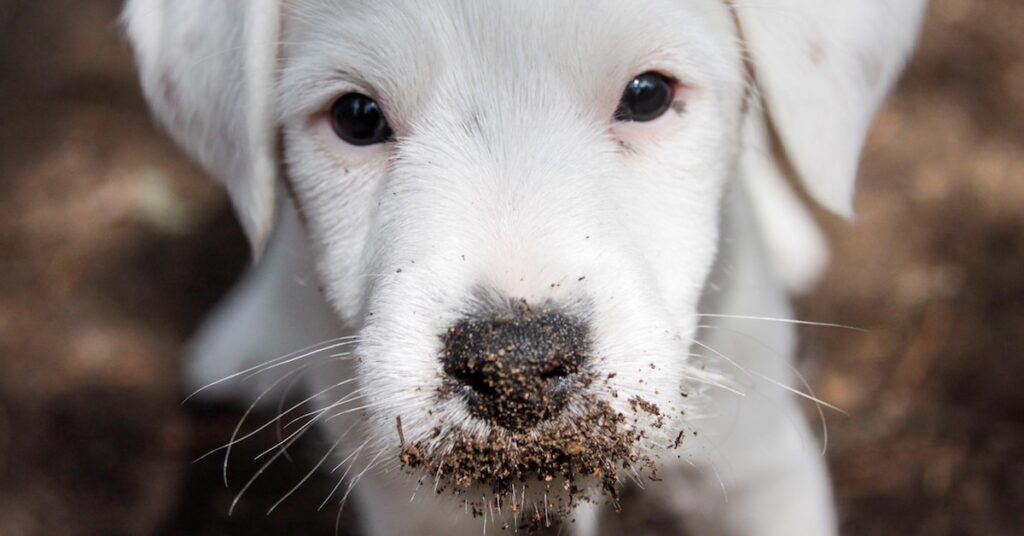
536 245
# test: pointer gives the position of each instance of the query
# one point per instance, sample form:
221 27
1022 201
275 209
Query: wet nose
516 371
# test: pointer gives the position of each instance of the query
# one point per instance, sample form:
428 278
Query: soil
112 246
516 370
559 462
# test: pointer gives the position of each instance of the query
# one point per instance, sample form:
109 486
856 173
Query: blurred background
112 246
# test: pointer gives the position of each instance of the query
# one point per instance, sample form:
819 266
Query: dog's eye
358 120
645 98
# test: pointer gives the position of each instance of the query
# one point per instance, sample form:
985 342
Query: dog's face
515 205
515 199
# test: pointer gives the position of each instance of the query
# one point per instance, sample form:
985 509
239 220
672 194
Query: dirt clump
516 369
558 462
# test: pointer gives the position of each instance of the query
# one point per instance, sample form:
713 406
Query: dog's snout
516 371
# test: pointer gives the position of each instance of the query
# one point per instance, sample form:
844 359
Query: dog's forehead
407 52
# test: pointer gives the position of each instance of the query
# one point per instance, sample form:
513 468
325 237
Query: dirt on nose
555 464
516 371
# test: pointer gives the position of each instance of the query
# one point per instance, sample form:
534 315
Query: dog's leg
275 309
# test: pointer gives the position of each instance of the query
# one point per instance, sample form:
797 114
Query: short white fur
508 173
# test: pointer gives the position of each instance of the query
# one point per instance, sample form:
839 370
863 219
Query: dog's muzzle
516 370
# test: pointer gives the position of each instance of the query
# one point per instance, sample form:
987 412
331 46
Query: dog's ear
823 68
207 70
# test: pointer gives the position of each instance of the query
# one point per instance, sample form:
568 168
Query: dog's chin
542 473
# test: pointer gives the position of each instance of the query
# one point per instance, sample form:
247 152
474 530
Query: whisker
515 509
821 412
241 421
769 380
351 410
547 522
271 366
352 456
714 470
419 484
305 478
784 320
437 476
709 382
315 468
278 429
235 440
299 432
635 476
359 477
261 470
795 371
352 395
287 358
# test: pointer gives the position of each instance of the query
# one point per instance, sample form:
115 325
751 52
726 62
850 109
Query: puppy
525 253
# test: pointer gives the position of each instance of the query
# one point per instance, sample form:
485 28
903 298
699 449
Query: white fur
509 174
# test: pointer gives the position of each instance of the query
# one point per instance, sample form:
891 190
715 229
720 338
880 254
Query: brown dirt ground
112 245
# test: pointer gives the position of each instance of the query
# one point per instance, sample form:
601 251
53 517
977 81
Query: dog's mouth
558 464
525 422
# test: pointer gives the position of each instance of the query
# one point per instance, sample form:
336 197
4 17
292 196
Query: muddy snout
516 370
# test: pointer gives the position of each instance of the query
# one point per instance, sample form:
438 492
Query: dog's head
516 204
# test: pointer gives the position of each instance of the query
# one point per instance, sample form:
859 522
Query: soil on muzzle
559 461
516 370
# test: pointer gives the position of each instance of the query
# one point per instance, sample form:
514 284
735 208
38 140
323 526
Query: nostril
516 371
557 372
476 381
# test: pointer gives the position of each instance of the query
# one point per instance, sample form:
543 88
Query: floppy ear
823 68
207 70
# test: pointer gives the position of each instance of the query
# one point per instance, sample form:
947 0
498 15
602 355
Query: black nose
516 370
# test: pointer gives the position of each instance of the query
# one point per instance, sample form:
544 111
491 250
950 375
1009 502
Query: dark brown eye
358 120
645 98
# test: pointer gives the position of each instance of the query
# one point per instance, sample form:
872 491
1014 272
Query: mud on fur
566 458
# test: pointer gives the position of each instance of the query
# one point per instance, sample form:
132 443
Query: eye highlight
646 98
359 120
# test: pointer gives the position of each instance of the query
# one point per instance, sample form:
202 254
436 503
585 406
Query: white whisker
769 380
291 437
287 358
278 429
352 456
241 421
305 478
235 440
359 477
719 385
351 410
547 522
437 476
351 396
795 371
271 366
783 320
261 470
